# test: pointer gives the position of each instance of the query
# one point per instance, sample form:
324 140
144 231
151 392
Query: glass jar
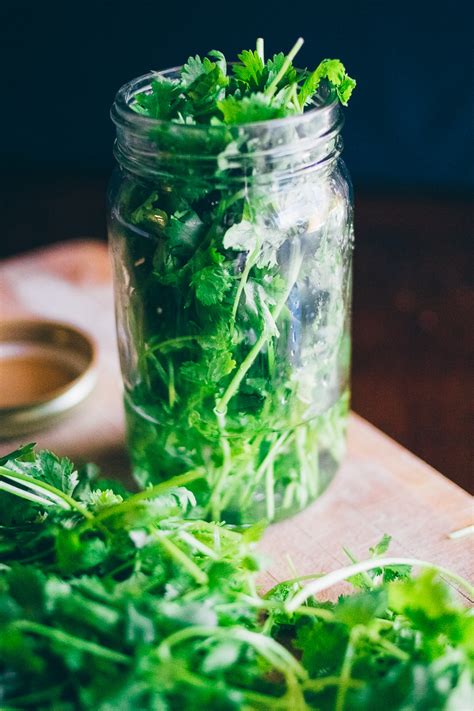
232 252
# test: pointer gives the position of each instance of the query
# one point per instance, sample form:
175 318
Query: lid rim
25 416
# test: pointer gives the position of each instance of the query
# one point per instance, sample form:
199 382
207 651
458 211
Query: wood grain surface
380 488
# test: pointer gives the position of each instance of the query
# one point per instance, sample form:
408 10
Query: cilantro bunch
112 600
233 282
250 90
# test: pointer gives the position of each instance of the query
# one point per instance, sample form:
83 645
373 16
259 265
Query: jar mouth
258 151
123 113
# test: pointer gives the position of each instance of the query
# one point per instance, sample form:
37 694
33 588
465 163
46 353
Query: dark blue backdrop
408 124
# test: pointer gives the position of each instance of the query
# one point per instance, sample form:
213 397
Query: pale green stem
365 576
255 697
216 506
260 51
172 342
221 406
345 677
57 496
198 545
338 576
267 460
70 640
270 492
271 650
325 681
23 494
252 258
270 90
181 558
150 493
171 388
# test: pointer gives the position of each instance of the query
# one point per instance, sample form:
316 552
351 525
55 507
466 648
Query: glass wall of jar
232 253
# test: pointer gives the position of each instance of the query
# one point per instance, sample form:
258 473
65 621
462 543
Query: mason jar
232 252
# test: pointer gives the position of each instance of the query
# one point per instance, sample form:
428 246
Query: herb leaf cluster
252 89
112 600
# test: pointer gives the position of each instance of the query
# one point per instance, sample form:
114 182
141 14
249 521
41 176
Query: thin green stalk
150 493
254 697
338 576
70 640
260 51
172 343
38 485
23 494
182 559
271 650
221 406
214 503
292 581
172 397
345 677
365 576
323 682
27 699
252 258
272 87
391 648
198 545
267 460
270 492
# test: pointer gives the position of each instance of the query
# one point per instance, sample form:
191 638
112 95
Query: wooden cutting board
381 487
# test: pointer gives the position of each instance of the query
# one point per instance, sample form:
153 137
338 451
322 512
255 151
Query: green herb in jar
231 228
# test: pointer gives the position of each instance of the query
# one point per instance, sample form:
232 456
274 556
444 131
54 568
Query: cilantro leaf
249 109
334 71
251 70
211 284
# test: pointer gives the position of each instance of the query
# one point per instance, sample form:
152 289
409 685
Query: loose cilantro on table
212 306
113 600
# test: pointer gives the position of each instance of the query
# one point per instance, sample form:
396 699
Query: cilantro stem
365 576
345 677
70 640
182 559
256 697
267 461
270 491
391 648
221 406
172 343
338 576
215 505
198 545
322 682
252 258
271 650
260 51
24 494
57 496
150 493
272 87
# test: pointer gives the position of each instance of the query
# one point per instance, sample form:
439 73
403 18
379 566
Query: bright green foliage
334 71
111 600
255 91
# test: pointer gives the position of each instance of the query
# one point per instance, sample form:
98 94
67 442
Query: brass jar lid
46 369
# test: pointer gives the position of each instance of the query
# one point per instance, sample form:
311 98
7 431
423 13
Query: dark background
408 144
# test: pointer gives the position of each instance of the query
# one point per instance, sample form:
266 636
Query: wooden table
381 487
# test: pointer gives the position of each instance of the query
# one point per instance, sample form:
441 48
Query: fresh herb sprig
252 89
111 600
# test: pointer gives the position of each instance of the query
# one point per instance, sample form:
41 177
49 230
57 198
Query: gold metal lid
46 369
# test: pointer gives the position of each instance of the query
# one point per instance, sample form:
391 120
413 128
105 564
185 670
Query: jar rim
122 112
